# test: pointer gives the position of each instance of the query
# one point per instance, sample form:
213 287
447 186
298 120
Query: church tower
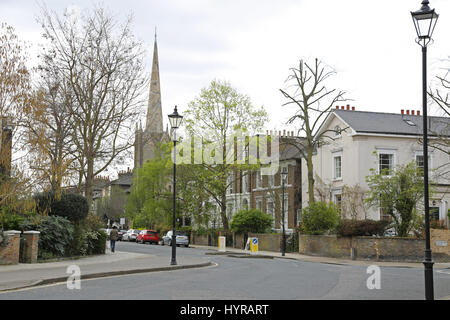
149 138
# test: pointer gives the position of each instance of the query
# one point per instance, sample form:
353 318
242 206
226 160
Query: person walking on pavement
113 236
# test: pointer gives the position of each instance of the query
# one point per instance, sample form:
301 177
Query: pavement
22 275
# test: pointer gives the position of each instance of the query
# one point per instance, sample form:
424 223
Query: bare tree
49 129
441 128
15 97
314 102
102 62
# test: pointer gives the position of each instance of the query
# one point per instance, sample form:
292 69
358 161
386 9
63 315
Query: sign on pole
222 244
122 221
254 246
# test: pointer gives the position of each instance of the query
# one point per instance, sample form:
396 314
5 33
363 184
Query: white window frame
333 196
337 155
245 182
430 162
259 180
272 211
390 152
257 201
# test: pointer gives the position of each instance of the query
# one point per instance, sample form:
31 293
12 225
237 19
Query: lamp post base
429 286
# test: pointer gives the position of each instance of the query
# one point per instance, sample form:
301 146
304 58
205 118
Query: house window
230 183
259 179
259 204
286 212
337 166
271 211
386 162
270 179
384 215
337 199
421 163
245 204
244 182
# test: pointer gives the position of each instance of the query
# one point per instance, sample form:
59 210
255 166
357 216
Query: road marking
443 271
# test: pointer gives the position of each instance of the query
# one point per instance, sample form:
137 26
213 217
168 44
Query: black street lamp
283 175
424 21
175 122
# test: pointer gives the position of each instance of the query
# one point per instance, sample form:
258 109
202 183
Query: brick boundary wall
377 248
30 246
10 247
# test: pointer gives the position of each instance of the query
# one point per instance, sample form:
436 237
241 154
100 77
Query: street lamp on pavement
175 122
283 175
424 21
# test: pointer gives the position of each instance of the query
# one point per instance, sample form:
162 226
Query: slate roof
289 147
393 123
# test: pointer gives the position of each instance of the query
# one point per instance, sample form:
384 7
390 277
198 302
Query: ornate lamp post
175 122
424 21
283 175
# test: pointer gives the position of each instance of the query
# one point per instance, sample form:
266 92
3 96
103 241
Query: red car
148 236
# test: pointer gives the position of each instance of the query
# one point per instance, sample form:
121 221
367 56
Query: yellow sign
254 246
222 244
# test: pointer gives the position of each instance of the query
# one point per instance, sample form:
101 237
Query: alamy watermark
374 281
238 148
73 281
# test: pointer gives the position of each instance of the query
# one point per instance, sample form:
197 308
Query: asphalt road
246 279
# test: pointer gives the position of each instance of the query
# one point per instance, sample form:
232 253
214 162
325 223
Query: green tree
319 217
398 194
217 114
252 220
149 202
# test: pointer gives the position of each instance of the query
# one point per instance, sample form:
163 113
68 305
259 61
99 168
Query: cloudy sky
253 43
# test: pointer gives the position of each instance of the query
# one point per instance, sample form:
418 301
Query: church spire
154 109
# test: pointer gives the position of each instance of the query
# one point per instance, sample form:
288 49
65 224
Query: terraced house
364 140
252 189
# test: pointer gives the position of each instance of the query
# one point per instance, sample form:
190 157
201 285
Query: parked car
148 236
121 233
130 235
181 239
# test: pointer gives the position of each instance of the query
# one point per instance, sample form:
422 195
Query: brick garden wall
374 248
10 248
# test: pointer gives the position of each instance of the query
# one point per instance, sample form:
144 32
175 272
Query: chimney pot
418 112
348 107
284 132
412 112
342 107
353 108
337 107
402 111
407 112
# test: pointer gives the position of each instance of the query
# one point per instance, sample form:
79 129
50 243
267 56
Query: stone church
148 138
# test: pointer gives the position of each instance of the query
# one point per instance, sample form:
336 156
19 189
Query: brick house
251 189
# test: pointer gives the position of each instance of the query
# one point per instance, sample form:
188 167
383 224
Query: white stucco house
361 140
